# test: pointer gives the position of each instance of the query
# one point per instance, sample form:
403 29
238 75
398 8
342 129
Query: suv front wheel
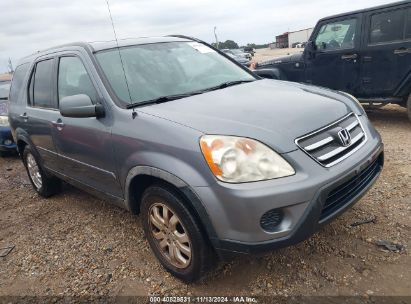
174 234
44 184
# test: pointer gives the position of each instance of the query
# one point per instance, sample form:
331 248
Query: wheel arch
23 140
141 177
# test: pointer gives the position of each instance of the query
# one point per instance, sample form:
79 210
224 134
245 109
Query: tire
44 184
409 107
187 235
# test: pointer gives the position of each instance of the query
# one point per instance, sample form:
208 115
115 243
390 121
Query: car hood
284 59
241 59
274 112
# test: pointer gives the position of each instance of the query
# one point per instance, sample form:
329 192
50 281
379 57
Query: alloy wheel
170 235
34 171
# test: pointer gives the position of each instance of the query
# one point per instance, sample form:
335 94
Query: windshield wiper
179 96
3 98
161 99
226 85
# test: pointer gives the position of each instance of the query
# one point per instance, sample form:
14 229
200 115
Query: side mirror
80 106
311 46
310 49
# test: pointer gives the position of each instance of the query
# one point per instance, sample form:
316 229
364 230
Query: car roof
366 10
97 46
104 45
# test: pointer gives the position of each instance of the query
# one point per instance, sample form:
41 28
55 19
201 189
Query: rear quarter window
17 83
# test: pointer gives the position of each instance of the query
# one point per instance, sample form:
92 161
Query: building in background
291 39
300 36
281 41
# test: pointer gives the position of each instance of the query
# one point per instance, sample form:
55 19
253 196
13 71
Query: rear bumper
5 135
350 188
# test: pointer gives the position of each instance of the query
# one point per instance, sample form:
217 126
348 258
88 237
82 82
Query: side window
73 79
337 35
408 25
387 27
18 81
41 88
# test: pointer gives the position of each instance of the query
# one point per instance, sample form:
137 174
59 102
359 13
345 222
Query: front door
84 144
335 61
386 58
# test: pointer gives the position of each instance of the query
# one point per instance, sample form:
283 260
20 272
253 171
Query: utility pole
215 35
10 66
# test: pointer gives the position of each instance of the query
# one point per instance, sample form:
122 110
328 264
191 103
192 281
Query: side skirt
120 202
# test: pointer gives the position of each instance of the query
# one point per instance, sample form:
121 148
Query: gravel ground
75 244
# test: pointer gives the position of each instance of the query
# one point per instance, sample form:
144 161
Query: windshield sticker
201 47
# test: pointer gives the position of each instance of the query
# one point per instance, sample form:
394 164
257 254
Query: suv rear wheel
409 107
174 234
44 184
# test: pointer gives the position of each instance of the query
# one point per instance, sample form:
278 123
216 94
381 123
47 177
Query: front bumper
235 210
5 135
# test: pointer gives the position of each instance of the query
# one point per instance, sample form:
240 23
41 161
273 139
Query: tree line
230 44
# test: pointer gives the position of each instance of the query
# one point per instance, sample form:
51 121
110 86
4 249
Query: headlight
237 159
4 121
361 108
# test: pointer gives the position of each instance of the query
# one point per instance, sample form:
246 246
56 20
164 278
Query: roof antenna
134 113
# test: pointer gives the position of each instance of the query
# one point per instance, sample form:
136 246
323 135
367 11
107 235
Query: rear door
386 55
36 119
335 62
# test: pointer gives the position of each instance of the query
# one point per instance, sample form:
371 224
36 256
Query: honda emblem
345 137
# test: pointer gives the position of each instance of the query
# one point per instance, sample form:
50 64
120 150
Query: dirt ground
75 244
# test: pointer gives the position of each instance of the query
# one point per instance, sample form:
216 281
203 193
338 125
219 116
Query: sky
27 26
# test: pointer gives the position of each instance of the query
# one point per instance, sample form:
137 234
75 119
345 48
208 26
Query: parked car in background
215 159
296 45
238 53
366 53
244 61
250 50
6 139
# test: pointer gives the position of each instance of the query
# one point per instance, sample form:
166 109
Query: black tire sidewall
198 243
409 107
50 184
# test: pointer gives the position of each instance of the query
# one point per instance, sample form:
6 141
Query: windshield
4 89
164 69
237 51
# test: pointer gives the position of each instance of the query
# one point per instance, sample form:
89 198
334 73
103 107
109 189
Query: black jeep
366 53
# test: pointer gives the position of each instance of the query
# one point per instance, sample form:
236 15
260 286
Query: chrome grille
328 147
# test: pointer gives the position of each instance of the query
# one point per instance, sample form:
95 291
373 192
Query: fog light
8 142
271 220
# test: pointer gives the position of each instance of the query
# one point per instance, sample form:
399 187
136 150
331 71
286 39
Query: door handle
58 124
402 51
349 56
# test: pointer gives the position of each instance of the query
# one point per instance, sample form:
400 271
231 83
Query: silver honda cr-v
214 158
